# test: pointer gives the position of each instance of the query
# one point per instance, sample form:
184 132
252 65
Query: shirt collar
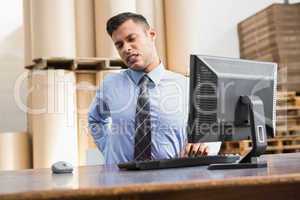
155 75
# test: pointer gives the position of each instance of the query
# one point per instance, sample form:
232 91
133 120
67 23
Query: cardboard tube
86 88
29 103
104 9
15 151
53 28
54 119
85 31
27 32
153 11
182 33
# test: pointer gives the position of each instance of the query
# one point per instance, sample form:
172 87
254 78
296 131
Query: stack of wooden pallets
273 34
287 137
288 114
279 144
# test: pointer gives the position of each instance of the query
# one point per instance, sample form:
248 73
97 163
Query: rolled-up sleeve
98 120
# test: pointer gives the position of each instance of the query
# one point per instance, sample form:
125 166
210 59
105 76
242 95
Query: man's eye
131 39
119 46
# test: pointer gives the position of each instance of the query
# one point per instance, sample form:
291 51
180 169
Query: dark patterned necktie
142 147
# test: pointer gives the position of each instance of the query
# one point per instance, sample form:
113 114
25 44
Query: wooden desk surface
280 180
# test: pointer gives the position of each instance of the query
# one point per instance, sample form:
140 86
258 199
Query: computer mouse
62 167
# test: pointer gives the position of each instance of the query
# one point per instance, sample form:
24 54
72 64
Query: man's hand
195 149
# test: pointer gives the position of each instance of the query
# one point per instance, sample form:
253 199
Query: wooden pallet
288 113
76 64
288 76
288 131
287 94
288 122
286 98
289 86
287 137
281 144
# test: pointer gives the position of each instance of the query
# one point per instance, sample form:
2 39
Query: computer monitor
231 100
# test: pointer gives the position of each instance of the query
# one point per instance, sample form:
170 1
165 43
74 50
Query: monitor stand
250 107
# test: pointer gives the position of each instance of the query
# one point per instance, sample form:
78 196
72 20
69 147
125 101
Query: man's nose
127 48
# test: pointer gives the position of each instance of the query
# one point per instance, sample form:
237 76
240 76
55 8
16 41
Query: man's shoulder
170 75
115 76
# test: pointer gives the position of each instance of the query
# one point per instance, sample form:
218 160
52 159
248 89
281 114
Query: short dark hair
114 22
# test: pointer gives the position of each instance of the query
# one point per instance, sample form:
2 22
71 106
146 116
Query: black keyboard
178 162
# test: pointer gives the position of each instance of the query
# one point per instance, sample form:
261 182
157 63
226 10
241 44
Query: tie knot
144 81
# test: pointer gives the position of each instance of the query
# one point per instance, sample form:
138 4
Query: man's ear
152 33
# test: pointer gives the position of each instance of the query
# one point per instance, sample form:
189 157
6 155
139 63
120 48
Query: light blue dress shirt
112 114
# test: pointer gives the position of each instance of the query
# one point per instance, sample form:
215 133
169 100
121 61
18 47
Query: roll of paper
104 9
182 33
153 11
27 32
15 151
85 28
54 118
86 89
29 103
53 28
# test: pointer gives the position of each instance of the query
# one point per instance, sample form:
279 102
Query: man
141 113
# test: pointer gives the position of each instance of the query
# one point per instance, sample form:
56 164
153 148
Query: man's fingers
205 151
202 150
194 149
187 150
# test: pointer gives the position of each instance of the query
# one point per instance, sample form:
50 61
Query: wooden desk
281 180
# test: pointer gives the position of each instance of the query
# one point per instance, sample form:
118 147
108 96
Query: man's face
135 44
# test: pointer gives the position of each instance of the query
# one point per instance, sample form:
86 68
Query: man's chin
137 67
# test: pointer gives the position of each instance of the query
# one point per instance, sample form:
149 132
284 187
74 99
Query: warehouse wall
11 64
219 21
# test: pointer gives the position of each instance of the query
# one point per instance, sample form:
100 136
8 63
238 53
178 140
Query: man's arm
98 119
